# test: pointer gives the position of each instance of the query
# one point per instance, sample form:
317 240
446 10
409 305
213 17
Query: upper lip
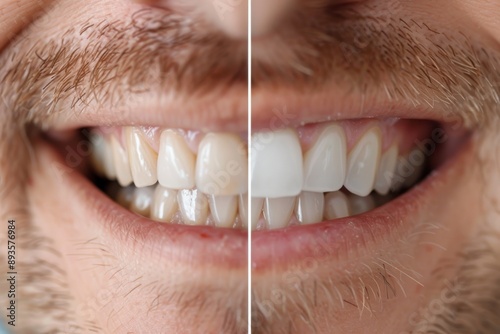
227 111
331 103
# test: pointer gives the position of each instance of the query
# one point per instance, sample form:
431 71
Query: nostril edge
267 15
228 16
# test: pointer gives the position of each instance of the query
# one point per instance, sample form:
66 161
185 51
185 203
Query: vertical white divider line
249 203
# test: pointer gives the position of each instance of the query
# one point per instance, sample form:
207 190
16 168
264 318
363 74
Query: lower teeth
191 207
311 208
188 207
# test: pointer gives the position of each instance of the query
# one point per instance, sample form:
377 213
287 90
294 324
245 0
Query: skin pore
118 62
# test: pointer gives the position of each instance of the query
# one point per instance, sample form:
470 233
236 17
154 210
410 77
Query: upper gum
391 131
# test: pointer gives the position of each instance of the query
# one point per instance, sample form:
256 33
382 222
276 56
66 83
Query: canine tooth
193 206
277 167
278 211
176 162
360 204
222 165
164 204
325 162
336 205
256 203
309 207
223 209
141 202
362 163
142 158
121 163
386 170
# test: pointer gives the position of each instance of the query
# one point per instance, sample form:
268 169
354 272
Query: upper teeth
176 162
276 164
287 176
279 168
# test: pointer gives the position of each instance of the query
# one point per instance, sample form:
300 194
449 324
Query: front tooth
362 163
223 209
277 167
141 202
164 204
256 204
309 207
142 158
278 211
193 206
121 163
175 162
325 162
386 171
361 205
222 165
336 205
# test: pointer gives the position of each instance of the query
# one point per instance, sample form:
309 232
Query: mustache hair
368 50
380 51
102 62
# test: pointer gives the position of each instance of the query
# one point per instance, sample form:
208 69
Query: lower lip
349 238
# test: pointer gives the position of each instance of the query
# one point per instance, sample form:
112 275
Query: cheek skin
16 15
428 256
114 291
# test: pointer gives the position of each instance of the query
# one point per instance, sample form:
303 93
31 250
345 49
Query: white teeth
141 202
243 209
222 165
361 205
386 170
276 164
325 162
362 163
278 211
256 203
142 158
288 187
99 153
102 156
120 157
309 207
223 209
176 162
109 163
336 205
164 204
193 206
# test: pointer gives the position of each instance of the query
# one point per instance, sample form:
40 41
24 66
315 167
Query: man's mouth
301 175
